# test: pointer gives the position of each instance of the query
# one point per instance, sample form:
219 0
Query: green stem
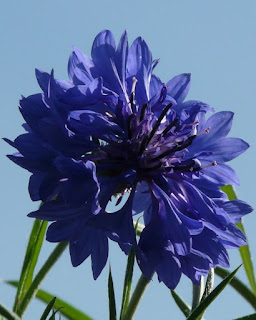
197 293
136 297
54 256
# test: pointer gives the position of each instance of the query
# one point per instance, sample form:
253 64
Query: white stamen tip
134 81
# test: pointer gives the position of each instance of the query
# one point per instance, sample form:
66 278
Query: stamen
178 147
158 122
143 110
134 81
171 125
129 129
132 96
214 163
192 124
207 130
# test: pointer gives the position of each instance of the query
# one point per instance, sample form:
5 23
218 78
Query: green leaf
200 309
30 260
67 310
239 286
244 250
8 314
127 282
31 292
249 317
54 314
48 309
184 308
111 297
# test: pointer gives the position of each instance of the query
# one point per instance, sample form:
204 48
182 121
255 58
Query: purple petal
178 87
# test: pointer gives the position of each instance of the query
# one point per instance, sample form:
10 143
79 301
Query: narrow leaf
239 286
200 309
244 250
184 308
111 297
30 260
54 256
249 317
54 314
67 310
8 314
127 282
48 309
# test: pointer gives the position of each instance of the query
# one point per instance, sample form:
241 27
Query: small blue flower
115 129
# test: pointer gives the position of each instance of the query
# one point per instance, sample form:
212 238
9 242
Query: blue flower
115 129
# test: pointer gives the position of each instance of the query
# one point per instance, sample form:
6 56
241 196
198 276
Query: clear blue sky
213 40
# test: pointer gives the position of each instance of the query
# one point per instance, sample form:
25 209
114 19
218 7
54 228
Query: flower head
115 129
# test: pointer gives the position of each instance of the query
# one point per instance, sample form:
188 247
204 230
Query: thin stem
136 297
197 293
54 256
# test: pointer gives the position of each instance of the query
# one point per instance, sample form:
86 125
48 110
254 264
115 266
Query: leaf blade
200 309
111 297
30 260
249 317
244 250
8 314
67 310
48 309
184 307
31 292
239 286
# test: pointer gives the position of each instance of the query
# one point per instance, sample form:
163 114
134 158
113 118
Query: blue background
214 40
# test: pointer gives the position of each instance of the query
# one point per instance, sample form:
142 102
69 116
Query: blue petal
219 124
221 174
90 123
169 270
79 60
226 149
64 230
139 65
121 57
56 210
82 186
207 243
90 242
178 87
103 55
195 265
43 185
236 209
